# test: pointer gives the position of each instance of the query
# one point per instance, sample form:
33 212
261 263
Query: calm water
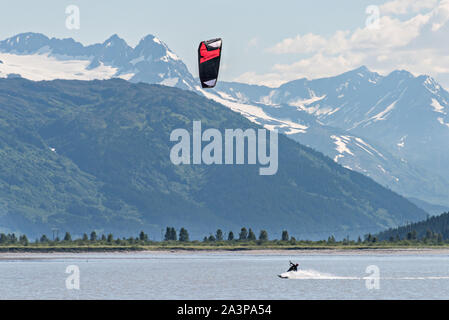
223 276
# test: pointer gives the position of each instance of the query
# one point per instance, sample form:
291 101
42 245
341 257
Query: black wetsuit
293 267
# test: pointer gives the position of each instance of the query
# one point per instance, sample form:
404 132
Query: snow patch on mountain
341 146
303 102
256 114
171 82
367 147
437 107
441 121
432 85
44 67
401 142
267 100
384 114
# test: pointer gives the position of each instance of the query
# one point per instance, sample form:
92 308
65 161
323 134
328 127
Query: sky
264 42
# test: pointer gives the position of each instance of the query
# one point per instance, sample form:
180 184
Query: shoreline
65 251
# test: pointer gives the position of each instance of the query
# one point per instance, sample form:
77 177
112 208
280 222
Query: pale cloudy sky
410 35
265 41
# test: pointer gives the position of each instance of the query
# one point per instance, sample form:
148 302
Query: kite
209 54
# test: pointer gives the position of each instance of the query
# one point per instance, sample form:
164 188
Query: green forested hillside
436 227
85 155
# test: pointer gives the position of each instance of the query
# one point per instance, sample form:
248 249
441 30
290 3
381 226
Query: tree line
432 229
170 235
406 234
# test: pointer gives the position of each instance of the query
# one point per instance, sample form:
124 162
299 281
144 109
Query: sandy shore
289 252
149 254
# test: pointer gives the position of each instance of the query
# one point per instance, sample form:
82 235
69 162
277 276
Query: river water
225 275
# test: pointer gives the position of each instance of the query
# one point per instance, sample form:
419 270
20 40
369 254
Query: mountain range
37 57
95 155
391 128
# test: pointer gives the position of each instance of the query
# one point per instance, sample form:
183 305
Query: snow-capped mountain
392 128
34 56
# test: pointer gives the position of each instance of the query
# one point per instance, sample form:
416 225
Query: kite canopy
209 54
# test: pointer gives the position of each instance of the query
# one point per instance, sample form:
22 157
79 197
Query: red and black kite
209 54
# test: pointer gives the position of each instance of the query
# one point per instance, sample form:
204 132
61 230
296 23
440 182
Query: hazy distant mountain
83 155
393 128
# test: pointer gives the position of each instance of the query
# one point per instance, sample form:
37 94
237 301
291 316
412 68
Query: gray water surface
223 276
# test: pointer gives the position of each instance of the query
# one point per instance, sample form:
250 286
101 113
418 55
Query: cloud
406 6
417 44
267 79
300 44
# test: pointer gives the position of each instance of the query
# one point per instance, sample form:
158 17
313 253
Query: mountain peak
361 71
401 73
358 74
27 36
25 41
115 40
149 38
150 45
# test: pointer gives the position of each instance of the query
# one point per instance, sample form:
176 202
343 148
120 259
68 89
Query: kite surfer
293 267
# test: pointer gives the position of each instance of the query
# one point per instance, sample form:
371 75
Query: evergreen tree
67 237
243 235
173 234
183 235
23 240
170 234
167 236
219 235
251 235
263 236
85 237
285 236
230 236
44 239
93 236
12 238
211 238
143 236
369 238
110 238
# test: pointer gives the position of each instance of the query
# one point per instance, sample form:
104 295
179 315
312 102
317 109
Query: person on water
293 267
